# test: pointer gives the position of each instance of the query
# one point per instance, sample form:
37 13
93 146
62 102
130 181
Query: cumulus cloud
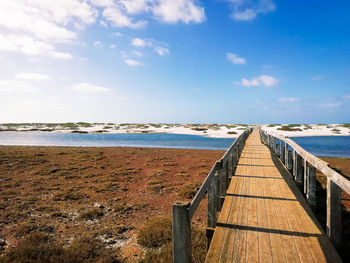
235 59
185 11
138 42
32 76
29 46
89 88
141 43
118 18
288 99
121 13
45 20
137 53
161 51
132 62
249 10
262 80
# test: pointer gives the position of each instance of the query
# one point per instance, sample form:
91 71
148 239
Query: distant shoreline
208 130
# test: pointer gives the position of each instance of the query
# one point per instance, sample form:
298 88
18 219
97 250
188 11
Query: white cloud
117 34
249 10
137 6
89 88
103 23
346 97
262 80
98 43
137 53
330 105
185 11
32 76
161 51
112 46
138 42
235 59
118 19
16 86
29 46
45 20
132 62
288 99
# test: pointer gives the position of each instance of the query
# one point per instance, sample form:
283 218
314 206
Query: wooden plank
264 216
265 253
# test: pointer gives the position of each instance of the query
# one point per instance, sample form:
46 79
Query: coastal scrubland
107 204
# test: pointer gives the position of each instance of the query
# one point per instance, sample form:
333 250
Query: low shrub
91 214
189 190
156 237
40 248
155 232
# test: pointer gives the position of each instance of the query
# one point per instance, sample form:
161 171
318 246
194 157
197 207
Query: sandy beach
210 130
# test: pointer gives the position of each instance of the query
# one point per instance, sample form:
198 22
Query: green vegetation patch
288 128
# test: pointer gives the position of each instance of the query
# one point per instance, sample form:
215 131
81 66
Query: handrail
204 187
305 175
215 184
319 164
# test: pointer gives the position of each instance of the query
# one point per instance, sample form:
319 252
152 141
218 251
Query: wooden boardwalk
264 217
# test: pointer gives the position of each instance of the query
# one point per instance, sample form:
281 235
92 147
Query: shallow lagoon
335 146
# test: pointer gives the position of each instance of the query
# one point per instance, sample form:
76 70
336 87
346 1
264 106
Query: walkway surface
264 217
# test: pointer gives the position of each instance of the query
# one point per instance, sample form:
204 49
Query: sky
175 61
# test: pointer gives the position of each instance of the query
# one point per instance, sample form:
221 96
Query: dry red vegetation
107 192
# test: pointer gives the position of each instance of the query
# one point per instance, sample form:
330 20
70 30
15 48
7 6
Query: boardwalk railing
215 184
302 166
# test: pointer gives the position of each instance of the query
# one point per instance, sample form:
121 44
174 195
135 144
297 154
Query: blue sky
185 61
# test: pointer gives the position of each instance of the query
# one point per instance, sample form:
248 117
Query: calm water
115 140
335 146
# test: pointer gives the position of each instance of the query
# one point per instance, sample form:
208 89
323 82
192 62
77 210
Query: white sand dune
210 130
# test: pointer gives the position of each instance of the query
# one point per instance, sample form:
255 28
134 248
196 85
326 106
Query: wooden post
305 177
280 150
283 155
229 169
298 169
286 155
235 160
181 233
223 180
334 222
277 150
290 161
213 203
311 187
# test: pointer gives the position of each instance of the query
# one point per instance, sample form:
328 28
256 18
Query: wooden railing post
280 150
334 222
229 168
311 186
290 161
213 208
285 154
181 233
223 181
297 169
